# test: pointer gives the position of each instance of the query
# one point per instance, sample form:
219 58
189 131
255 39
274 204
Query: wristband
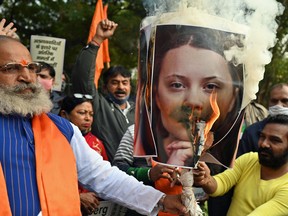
148 174
96 42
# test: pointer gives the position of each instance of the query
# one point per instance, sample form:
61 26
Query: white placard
107 208
50 50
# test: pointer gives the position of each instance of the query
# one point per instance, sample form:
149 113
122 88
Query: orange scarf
56 172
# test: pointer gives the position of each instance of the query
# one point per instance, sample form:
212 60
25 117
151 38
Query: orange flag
100 13
106 56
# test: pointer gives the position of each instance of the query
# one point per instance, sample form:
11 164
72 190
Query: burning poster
190 95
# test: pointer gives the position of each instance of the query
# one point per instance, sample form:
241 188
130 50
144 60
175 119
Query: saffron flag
100 13
106 57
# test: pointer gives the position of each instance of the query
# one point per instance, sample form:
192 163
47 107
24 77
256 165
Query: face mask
277 109
117 101
46 83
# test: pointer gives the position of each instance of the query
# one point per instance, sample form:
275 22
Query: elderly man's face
14 52
20 92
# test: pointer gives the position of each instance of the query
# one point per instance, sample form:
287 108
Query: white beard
31 104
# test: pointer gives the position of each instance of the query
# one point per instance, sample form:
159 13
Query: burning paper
189 89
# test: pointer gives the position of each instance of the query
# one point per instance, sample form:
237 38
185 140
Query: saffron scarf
56 172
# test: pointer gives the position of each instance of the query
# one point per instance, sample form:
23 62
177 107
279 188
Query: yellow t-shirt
252 195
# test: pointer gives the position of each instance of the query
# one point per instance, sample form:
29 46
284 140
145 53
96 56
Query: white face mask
46 83
277 109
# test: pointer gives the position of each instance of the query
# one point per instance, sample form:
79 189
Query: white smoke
254 18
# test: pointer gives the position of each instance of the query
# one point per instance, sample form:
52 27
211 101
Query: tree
277 70
71 20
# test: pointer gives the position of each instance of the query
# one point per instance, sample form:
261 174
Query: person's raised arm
203 178
105 29
83 72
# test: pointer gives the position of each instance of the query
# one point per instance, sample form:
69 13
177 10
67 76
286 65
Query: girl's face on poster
187 78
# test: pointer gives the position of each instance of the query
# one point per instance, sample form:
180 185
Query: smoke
256 19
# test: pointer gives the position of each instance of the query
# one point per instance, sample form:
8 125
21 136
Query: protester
57 96
78 110
46 77
43 155
260 179
112 113
162 177
278 104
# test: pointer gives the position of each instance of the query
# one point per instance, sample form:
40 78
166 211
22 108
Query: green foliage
277 70
71 20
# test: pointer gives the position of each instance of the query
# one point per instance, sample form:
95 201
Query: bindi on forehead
24 62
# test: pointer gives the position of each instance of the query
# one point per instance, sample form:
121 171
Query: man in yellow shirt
260 179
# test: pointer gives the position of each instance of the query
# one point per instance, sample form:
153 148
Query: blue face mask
117 101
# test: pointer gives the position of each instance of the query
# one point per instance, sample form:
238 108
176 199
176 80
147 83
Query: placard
107 208
50 50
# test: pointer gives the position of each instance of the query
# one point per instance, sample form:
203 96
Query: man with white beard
43 156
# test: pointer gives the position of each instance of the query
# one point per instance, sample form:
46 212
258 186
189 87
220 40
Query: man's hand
89 202
163 171
105 29
203 178
173 204
8 30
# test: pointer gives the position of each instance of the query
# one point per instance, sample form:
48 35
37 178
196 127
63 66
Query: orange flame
215 115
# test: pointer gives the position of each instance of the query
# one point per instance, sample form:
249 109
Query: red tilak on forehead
24 62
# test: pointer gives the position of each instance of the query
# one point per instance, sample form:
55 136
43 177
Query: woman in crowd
78 110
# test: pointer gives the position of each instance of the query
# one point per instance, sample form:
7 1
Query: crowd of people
66 160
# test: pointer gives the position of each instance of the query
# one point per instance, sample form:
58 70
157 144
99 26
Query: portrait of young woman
189 66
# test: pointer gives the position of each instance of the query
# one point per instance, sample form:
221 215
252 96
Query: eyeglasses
13 68
87 96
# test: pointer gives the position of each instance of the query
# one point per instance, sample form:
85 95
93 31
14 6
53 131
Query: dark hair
169 37
114 71
278 119
46 66
278 85
70 102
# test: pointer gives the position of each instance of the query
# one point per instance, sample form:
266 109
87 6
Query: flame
215 115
